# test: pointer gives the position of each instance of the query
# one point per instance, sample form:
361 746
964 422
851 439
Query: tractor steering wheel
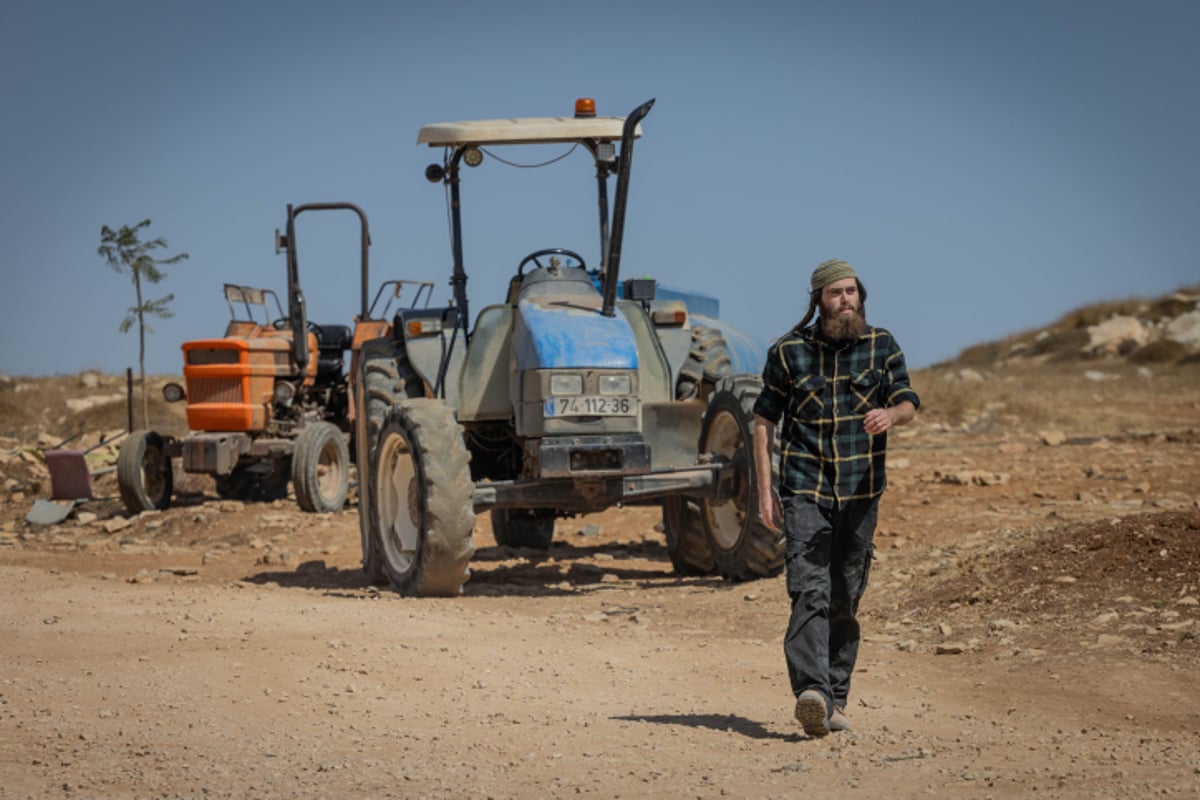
283 322
550 251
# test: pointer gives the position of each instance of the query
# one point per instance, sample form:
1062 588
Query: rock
1187 601
116 524
85 517
898 463
1104 619
950 649
1052 438
79 404
1178 626
973 477
1185 329
970 376
1097 375
47 441
1116 334
589 530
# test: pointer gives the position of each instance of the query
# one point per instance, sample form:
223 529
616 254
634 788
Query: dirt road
1030 631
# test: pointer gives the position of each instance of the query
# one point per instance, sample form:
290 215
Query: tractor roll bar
297 315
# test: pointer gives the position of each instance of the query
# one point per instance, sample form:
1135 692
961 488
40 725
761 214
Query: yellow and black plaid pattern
821 390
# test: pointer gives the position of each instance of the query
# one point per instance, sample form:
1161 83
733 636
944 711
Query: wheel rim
153 480
398 511
727 515
330 472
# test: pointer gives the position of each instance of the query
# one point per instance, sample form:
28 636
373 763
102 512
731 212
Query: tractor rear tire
321 468
743 547
144 474
420 499
519 527
387 378
707 362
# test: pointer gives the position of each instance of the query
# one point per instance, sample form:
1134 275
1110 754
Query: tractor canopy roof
525 130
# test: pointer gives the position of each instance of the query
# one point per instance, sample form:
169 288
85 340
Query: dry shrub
1163 351
165 417
1064 345
980 355
1087 316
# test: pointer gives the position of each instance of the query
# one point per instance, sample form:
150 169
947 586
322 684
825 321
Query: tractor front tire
321 468
386 378
144 474
687 544
420 500
743 547
519 527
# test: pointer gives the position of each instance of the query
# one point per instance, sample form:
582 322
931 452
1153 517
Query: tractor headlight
615 384
566 383
173 393
284 393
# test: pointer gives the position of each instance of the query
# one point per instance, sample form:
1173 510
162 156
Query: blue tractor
578 392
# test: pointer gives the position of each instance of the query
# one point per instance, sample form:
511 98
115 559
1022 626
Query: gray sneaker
811 712
838 720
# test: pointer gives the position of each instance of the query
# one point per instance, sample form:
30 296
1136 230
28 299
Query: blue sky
987 166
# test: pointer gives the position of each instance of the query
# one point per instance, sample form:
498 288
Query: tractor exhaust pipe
612 269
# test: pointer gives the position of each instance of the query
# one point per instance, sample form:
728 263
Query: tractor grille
215 390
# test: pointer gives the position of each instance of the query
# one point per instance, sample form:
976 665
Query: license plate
591 406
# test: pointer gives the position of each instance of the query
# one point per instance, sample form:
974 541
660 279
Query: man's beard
844 327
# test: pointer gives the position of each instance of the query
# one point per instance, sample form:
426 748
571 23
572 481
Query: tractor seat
332 341
333 338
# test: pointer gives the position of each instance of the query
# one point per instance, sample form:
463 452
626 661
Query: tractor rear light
422 327
668 316
616 384
173 393
284 393
585 107
566 384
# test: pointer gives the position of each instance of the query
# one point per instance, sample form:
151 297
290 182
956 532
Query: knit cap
829 271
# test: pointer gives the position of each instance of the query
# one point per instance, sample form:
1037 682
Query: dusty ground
1030 631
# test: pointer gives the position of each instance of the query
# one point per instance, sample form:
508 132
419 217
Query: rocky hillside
1163 331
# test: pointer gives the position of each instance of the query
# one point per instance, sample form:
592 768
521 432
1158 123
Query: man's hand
878 420
769 509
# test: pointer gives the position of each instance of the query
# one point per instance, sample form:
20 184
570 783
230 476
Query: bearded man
835 389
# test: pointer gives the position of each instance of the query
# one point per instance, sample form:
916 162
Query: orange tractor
265 405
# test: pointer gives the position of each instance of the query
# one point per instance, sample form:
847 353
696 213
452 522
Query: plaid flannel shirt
821 391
